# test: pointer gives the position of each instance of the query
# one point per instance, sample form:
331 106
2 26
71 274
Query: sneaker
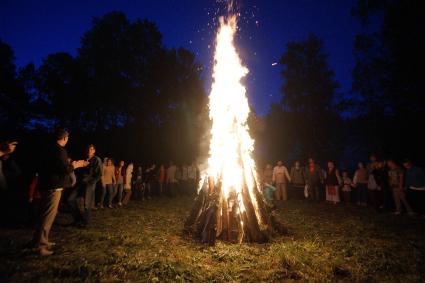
101 207
94 208
119 204
51 244
110 206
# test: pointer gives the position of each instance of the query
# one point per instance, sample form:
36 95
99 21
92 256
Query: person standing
184 180
53 171
171 179
100 204
346 187
127 185
192 174
332 182
415 186
360 181
395 180
120 178
110 181
314 179
298 180
281 178
10 182
138 186
91 175
267 176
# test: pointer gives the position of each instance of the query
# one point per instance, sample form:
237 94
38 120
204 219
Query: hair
61 134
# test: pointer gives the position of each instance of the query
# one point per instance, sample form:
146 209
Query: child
346 187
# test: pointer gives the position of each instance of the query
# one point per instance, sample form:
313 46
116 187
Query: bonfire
230 205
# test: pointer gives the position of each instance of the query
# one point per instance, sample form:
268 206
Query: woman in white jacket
127 185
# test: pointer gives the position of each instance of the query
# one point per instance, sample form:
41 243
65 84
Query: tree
13 100
307 116
388 75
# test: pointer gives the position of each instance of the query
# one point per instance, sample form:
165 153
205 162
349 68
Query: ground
144 243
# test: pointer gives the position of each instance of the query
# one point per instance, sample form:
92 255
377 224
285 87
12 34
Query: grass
144 243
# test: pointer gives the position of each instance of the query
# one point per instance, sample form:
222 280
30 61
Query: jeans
118 190
110 188
102 195
89 194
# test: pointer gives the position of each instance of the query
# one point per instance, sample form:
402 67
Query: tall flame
230 155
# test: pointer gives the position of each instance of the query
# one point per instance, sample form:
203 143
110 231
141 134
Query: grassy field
144 243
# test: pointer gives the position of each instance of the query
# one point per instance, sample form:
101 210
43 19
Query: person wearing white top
281 178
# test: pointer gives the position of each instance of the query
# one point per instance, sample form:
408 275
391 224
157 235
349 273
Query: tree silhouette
388 75
304 123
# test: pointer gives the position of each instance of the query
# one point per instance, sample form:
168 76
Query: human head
331 165
407 163
279 163
344 174
391 163
61 136
373 158
360 165
91 150
297 164
310 160
268 166
8 147
122 163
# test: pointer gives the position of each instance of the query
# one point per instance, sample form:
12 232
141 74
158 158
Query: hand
79 164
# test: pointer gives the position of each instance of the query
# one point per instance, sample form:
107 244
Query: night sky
35 29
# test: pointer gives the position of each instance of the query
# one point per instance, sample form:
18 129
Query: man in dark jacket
91 175
55 168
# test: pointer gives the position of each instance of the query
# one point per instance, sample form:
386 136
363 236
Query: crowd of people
381 184
81 186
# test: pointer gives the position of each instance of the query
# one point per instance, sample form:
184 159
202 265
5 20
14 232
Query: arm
355 179
274 175
287 174
338 176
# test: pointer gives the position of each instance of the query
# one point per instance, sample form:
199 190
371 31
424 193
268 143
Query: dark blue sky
36 28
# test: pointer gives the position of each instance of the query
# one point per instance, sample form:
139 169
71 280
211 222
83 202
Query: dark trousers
361 193
314 192
89 194
76 204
